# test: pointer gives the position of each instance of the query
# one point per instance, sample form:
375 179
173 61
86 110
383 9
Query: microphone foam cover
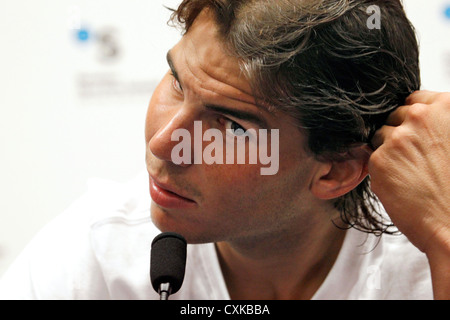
168 260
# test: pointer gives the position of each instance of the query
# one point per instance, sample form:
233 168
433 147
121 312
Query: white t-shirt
100 249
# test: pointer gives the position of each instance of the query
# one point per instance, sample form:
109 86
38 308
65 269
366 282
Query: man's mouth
168 196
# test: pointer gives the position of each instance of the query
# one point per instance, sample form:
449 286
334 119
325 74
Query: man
319 83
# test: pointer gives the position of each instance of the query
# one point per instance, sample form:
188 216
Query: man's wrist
438 254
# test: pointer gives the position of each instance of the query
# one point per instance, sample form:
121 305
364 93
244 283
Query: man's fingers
397 117
394 119
381 135
416 99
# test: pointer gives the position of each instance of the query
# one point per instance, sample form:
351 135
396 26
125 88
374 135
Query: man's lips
168 196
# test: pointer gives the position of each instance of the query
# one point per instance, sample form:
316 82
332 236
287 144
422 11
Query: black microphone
167 263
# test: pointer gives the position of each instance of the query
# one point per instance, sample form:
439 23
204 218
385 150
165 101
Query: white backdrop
75 80
72 104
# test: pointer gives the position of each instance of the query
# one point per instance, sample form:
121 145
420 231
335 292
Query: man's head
312 65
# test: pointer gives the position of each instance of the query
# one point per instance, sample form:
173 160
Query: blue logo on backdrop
447 11
105 39
82 35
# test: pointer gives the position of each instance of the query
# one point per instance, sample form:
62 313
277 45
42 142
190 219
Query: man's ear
336 178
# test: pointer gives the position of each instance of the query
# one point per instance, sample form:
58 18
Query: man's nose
164 141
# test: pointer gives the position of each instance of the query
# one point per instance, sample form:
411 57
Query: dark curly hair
321 62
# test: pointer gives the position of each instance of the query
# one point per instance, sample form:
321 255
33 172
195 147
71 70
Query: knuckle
417 112
397 137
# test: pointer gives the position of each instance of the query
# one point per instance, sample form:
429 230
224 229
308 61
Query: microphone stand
164 291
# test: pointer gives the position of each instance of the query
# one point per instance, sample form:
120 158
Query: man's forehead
204 39
202 52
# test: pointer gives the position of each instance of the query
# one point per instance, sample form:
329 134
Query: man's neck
289 266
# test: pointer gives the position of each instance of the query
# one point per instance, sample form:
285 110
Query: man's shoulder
391 267
105 202
378 268
107 199
102 238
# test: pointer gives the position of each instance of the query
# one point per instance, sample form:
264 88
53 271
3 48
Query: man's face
220 201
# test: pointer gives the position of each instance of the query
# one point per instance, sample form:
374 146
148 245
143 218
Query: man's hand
410 174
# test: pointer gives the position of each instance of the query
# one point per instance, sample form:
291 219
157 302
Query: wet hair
325 63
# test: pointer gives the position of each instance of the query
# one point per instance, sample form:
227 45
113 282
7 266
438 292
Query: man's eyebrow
239 114
172 66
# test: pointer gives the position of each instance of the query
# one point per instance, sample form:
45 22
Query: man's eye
235 128
177 86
